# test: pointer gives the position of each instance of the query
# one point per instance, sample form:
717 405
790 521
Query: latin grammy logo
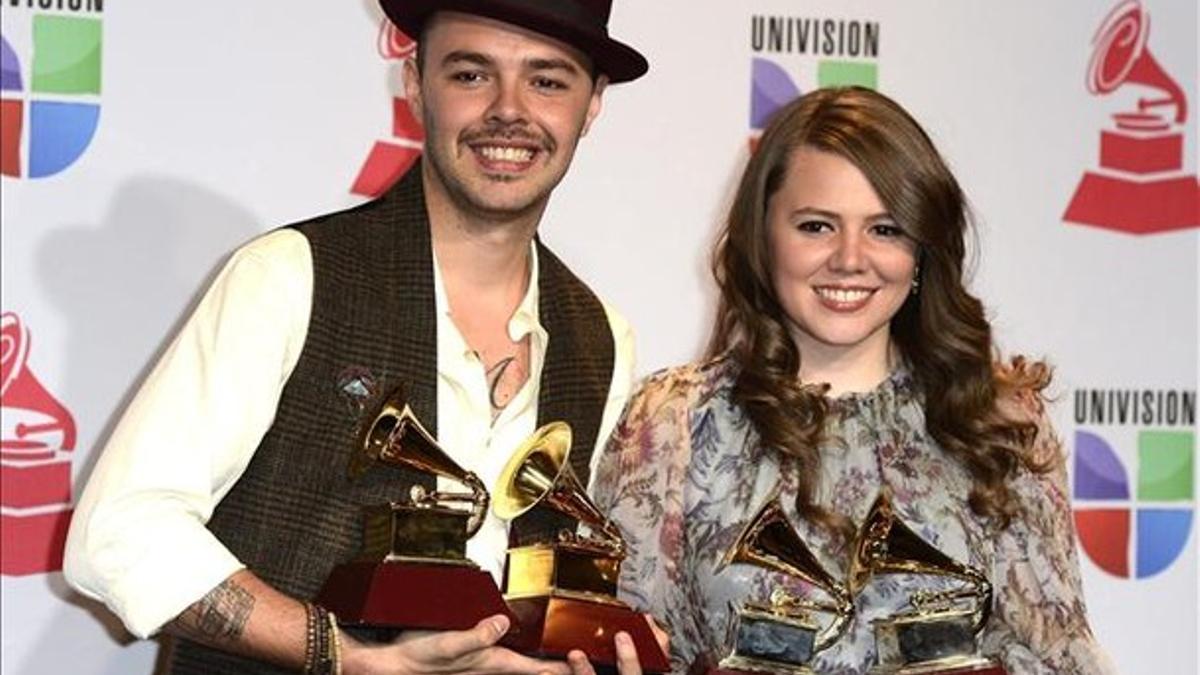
1140 187
389 159
393 44
36 437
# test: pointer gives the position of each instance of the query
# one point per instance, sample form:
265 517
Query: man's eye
467 77
548 83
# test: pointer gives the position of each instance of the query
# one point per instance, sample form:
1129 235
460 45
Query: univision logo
846 53
1135 526
49 105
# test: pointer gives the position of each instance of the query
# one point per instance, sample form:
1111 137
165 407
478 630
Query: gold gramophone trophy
563 592
782 634
938 634
413 570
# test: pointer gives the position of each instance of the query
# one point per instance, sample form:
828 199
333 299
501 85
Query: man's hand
468 651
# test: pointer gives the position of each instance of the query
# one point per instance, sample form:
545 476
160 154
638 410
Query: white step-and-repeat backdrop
143 141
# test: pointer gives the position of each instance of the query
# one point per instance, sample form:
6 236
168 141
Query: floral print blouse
684 473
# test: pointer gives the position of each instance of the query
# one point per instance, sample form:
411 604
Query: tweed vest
295 513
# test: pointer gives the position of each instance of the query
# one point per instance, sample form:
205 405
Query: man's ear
412 88
596 103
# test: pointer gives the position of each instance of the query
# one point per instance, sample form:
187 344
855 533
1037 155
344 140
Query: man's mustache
509 133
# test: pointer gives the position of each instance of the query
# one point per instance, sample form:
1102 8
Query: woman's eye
813 226
889 230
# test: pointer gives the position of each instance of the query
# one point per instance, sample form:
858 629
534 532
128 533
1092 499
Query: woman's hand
627 656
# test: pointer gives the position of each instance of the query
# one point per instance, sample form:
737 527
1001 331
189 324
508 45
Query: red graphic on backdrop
389 159
37 436
1141 187
12 118
393 44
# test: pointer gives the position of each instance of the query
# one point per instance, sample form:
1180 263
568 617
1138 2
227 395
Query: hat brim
618 61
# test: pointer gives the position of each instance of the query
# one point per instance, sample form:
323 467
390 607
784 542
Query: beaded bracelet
310 643
336 642
322 654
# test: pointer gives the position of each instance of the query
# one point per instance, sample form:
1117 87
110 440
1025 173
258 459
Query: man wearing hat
222 500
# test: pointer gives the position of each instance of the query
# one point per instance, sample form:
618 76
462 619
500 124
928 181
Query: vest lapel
413 306
579 359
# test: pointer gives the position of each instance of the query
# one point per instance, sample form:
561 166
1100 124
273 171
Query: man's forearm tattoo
219 616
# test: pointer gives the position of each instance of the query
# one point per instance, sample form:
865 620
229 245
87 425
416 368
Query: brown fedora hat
582 24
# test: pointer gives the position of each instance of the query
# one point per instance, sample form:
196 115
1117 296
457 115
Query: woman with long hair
848 359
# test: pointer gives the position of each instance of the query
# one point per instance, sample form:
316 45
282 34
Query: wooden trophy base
411 595
551 626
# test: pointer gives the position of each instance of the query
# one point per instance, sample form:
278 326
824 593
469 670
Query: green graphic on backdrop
1165 460
847 73
67 58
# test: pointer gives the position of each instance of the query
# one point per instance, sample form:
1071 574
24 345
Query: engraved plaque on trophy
413 570
782 633
939 633
563 592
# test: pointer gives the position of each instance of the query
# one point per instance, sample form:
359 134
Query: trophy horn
1120 55
885 545
539 473
397 437
31 436
770 541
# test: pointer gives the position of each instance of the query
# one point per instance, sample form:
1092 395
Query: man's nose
509 105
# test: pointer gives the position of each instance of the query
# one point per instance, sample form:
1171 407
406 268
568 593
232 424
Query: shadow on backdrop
125 285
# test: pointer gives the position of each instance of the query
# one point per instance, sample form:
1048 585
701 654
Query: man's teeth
843 295
506 154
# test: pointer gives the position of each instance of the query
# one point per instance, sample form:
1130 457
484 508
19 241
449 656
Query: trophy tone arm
478 499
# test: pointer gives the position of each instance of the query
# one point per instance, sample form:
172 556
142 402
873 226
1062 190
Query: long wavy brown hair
941 331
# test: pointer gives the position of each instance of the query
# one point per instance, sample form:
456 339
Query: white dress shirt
138 540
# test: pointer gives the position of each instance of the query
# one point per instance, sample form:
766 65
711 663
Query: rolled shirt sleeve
138 540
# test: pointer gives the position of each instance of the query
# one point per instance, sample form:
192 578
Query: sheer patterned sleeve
639 482
1040 623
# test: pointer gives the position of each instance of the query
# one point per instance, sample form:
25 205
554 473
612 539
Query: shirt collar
525 318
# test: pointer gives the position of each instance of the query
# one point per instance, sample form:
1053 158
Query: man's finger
627 657
453 645
501 660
